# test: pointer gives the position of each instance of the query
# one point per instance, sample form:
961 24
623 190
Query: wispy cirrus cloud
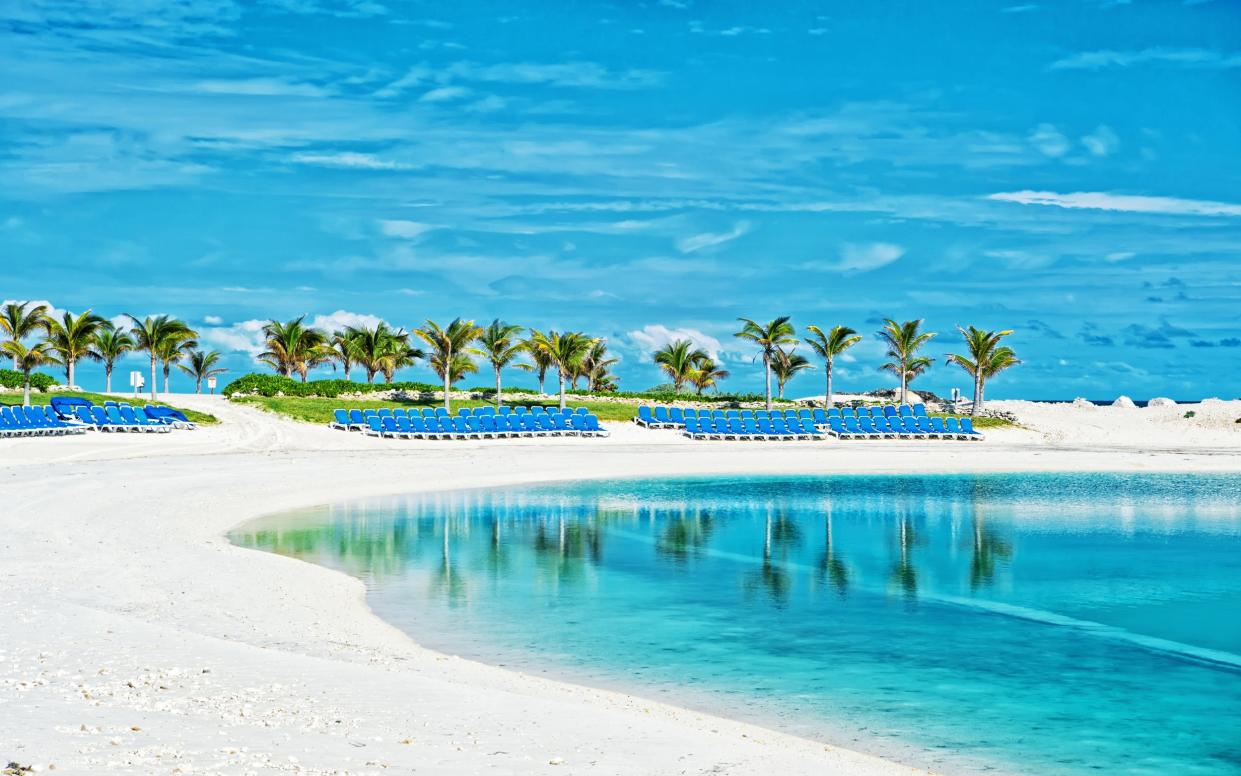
859 257
1125 203
1185 57
350 160
710 240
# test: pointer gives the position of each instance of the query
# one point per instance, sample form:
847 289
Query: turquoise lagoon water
1031 623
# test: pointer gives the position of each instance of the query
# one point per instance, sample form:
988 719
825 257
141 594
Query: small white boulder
1161 401
1082 402
1124 401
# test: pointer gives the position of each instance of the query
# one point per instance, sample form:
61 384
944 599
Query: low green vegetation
277 385
319 410
15 399
13 379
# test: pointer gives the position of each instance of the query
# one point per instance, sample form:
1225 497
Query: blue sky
645 171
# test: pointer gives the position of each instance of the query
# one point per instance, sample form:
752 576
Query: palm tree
540 362
171 351
19 320
155 335
707 374
987 357
565 351
202 366
501 347
786 365
904 340
829 345
397 354
768 338
72 338
341 349
371 346
294 347
446 344
677 360
28 359
109 345
596 366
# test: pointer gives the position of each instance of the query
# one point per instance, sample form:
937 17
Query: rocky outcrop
1080 402
1161 401
1124 401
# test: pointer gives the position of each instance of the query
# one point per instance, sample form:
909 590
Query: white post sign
136 382
211 384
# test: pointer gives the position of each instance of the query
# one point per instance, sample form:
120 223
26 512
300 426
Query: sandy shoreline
128 608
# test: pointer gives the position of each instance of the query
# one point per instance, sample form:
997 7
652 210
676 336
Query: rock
556 761
1080 402
1213 400
1124 401
1161 401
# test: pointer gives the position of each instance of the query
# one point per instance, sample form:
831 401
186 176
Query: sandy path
138 640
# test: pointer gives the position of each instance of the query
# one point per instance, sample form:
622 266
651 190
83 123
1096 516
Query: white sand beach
138 640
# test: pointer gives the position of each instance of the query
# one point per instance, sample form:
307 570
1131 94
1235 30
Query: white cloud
259 87
567 74
1125 203
709 240
52 310
1049 141
652 337
212 320
350 159
342 318
859 257
1102 142
243 337
405 229
1096 60
445 94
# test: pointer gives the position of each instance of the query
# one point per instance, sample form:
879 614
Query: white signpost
136 382
211 384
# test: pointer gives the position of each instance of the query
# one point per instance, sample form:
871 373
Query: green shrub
13 379
275 385
1190 414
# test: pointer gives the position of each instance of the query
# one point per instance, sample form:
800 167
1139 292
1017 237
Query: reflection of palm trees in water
832 568
448 581
989 547
779 535
568 550
685 535
904 575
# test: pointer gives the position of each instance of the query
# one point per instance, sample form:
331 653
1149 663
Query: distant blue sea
1036 624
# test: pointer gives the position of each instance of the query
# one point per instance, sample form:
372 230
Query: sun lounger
967 428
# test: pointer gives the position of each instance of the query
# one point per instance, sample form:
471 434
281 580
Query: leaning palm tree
539 360
19 320
446 343
173 351
461 365
904 340
157 335
109 345
201 366
28 359
768 338
596 368
293 347
72 338
707 374
986 358
565 351
828 345
786 365
677 360
501 347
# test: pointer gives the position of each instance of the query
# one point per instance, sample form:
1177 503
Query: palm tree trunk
498 399
107 379
69 372
167 372
26 390
447 376
346 371
542 379
977 394
904 374
198 385
767 374
560 373
154 385
827 398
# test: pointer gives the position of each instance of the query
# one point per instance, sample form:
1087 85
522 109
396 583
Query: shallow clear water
1029 623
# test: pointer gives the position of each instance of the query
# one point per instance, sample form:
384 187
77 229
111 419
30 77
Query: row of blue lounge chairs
76 416
438 424
879 422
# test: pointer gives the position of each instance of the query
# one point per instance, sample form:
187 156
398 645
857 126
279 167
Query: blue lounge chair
736 429
405 424
661 416
762 415
692 429
834 412
113 412
546 425
809 430
400 412
385 412
905 411
504 410
141 421
780 428
967 428
357 422
818 416
870 427
418 427
86 418
924 425
889 411
17 420
854 430
373 426
920 411
101 420
340 420
676 416
645 418
389 426
910 427
475 426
